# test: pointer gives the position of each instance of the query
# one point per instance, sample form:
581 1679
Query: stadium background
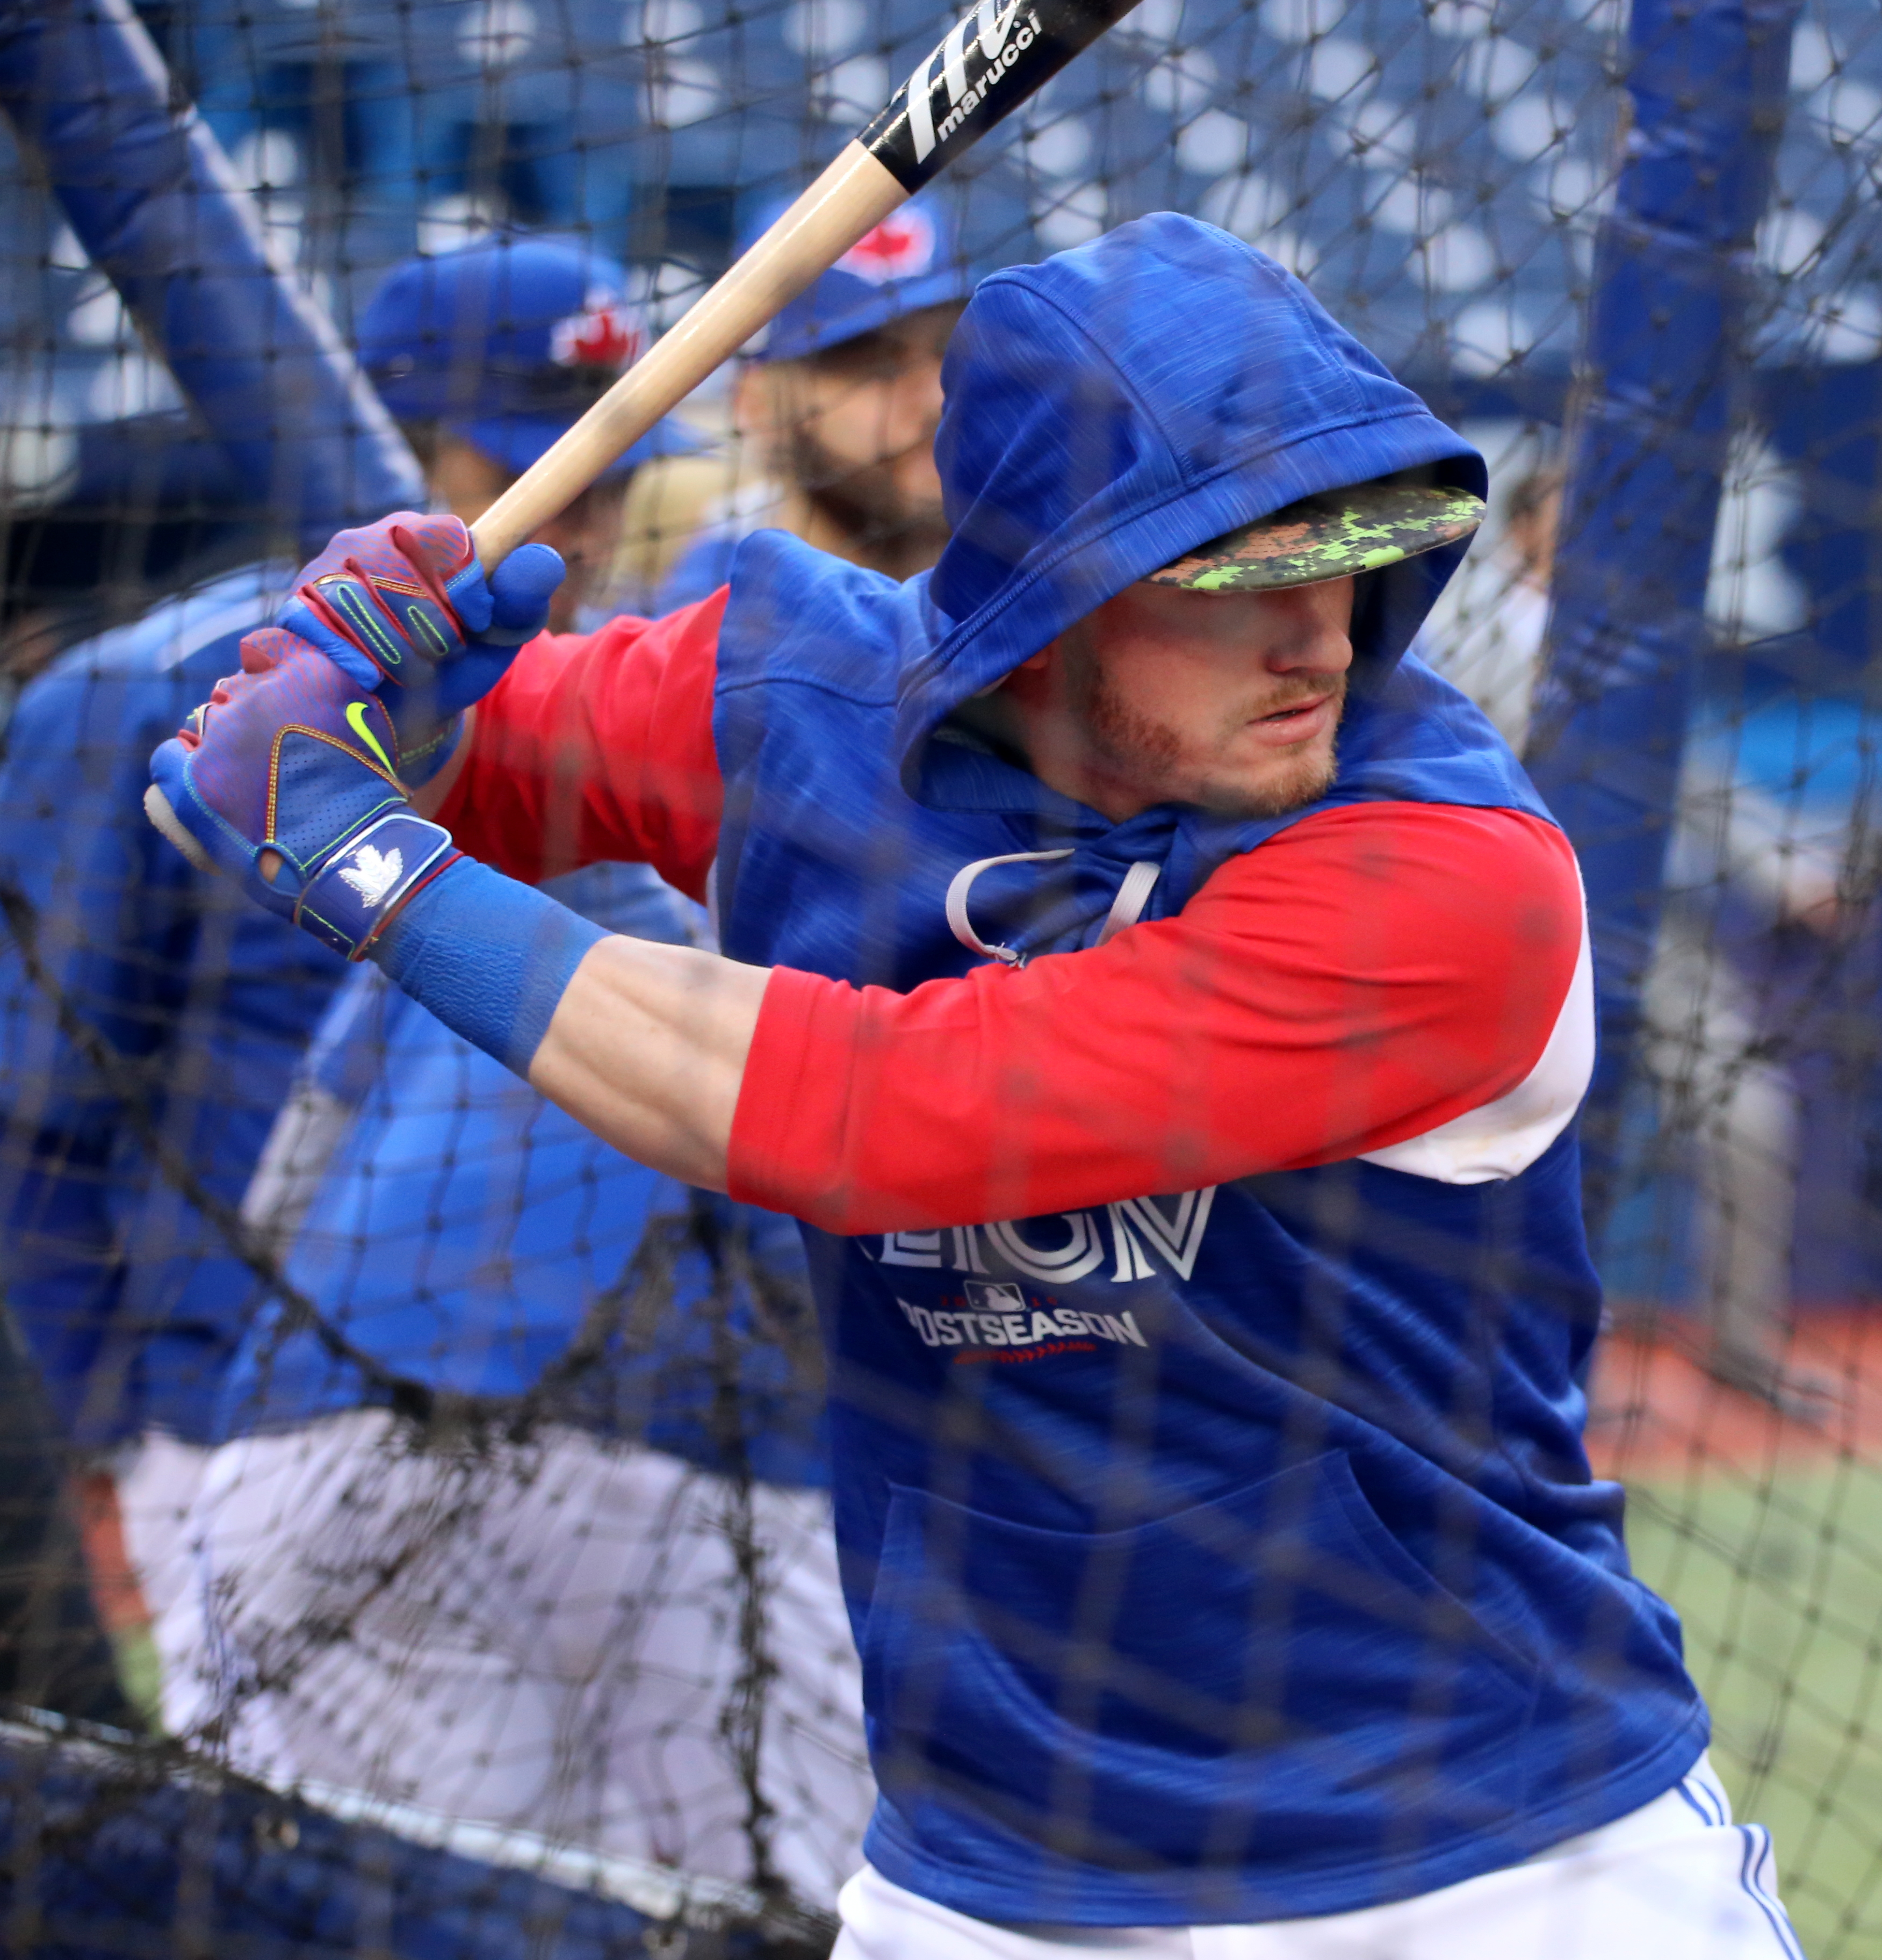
1441 174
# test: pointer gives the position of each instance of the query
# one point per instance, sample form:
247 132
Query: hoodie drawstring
1125 910
958 923
1127 907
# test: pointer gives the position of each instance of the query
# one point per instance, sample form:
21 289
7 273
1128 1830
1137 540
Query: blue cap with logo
906 263
506 343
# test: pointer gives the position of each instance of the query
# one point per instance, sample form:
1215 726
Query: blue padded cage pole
1645 460
153 200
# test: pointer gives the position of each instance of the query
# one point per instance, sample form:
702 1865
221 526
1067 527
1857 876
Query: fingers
307 626
522 587
513 605
269 646
405 600
379 600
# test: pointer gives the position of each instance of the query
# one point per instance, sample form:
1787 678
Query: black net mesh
417 1533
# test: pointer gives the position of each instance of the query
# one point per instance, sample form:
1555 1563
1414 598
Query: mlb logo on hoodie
902 247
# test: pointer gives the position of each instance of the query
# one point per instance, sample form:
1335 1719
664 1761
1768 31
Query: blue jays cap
506 343
906 263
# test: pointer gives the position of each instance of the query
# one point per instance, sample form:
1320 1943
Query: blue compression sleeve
490 957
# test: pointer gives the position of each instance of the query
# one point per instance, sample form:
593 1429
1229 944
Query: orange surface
114 1586
1657 1411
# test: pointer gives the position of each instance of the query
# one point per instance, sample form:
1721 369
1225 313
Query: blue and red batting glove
292 756
403 608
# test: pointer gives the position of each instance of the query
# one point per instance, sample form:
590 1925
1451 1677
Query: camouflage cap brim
1332 536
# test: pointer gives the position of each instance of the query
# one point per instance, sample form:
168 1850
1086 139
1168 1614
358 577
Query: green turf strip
1777 1573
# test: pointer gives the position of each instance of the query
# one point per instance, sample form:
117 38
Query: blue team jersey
1256 1570
199 1004
465 1236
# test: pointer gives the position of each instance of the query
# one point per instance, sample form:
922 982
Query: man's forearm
1081 1079
648 1048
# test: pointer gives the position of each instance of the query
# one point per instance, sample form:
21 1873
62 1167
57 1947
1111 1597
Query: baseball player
1166 1008
601 1715
840 397
539 1624
129 1296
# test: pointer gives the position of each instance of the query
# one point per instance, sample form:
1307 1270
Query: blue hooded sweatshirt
1286 1589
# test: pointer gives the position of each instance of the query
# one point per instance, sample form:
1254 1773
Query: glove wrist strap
359 889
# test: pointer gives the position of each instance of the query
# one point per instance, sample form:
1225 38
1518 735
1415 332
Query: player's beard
866 502
1152 754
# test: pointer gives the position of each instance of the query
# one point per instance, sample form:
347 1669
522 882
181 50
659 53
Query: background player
399 1138
839 400
1225 1556
537 1619
472 1194
195 1011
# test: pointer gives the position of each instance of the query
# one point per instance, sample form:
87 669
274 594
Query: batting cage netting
416 1522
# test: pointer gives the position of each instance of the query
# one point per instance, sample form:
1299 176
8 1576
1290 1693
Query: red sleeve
598 746
1367 976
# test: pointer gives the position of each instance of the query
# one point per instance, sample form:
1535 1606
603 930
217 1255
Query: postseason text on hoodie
1206 1299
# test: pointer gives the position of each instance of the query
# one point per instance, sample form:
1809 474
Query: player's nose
1310 628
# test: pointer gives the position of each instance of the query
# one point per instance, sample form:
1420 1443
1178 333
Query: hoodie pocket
1274 1668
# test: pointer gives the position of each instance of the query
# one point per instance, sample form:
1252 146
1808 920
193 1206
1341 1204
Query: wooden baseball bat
986 64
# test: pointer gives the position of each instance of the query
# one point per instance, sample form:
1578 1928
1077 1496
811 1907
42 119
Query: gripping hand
292 756
403 608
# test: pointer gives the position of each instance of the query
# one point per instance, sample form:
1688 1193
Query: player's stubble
1152 753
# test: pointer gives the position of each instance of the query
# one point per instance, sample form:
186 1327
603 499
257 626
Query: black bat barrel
987 63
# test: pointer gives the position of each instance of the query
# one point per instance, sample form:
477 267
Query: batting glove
292 756
403 608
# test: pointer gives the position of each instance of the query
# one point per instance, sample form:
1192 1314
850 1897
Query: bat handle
853 195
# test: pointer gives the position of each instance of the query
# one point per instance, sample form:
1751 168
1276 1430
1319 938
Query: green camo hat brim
1333 536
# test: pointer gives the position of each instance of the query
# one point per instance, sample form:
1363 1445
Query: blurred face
468 482
1230 700
1533 528
853 428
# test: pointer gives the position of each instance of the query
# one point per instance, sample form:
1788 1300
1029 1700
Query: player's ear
1037 663
1030 685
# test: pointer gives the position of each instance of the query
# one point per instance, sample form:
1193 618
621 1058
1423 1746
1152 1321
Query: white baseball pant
597 1644
1675 1880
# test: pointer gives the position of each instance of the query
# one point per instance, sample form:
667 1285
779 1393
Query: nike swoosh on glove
404 608
292 756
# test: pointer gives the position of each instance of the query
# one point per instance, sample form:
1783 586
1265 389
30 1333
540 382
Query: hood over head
1112 409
